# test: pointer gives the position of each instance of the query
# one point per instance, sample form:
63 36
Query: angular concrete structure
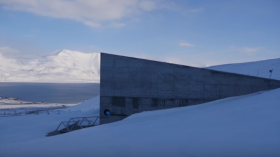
131 85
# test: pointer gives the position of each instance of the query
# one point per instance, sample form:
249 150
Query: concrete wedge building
131 85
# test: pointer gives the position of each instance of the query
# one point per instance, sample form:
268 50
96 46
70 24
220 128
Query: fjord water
50 92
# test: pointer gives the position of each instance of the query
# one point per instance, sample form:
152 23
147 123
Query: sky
190 32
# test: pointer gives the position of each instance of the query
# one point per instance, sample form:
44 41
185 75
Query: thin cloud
186 44
246 50
114 24
92 13
197 10
251 50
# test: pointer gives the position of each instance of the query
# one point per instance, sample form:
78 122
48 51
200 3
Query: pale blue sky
190 32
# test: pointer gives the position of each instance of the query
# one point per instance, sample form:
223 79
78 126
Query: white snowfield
63 66
31 127
258 68
244 126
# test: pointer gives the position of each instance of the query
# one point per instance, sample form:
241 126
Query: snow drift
31 127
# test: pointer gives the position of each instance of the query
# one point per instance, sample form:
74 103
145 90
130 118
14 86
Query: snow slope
259 68
243 126
62 66
32 127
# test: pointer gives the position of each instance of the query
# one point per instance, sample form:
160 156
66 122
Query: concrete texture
131 85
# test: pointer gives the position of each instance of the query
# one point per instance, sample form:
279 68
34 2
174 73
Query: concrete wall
130 85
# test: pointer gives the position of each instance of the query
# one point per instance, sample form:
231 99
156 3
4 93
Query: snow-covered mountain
258 68
62 66
73 66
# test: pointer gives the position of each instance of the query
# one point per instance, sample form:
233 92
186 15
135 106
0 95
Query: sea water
50 92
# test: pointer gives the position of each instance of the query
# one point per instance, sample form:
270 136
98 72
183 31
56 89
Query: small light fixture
107 112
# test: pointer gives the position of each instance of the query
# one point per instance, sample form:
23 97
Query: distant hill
258 68
62 66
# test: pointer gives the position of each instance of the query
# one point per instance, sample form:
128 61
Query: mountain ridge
63 66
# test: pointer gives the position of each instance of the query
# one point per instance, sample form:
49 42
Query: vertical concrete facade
131 85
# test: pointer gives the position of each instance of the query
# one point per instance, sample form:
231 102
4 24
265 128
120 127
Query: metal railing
77 123
27 111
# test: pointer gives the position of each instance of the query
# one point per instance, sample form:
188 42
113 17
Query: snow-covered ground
259 68
63 66
6 103
35 126
243 126
14 107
